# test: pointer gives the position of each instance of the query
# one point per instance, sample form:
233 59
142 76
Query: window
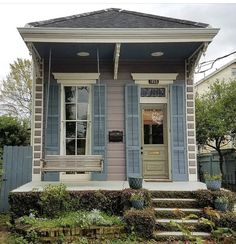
153 92
233 70
76 120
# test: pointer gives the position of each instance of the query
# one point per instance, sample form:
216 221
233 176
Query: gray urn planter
138 204
135 182
213 185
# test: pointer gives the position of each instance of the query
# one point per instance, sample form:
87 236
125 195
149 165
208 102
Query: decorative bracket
37 60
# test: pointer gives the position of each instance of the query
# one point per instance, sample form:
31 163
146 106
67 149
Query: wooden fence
17 171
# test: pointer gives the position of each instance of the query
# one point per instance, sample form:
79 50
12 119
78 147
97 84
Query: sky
16 13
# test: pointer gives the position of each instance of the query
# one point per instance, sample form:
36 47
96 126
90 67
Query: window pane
153 126
81 147
70 146
153 92
81 129
82 94
82 110
70 94
70 112
70 129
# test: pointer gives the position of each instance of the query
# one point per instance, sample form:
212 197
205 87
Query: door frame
151 101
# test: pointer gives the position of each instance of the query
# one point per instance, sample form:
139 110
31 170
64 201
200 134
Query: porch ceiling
128 51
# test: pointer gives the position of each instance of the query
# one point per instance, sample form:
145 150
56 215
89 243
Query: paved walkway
114 185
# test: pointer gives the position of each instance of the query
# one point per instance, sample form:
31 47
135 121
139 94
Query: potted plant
213 182
221 203
137 200
135 182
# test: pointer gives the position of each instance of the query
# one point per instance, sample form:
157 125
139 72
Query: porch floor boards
113 185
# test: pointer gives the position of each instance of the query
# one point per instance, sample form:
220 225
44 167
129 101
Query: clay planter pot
213 185
135 183
138 204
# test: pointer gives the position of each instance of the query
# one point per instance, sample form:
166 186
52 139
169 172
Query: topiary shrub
142 222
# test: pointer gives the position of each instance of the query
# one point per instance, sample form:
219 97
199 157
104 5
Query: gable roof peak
117 18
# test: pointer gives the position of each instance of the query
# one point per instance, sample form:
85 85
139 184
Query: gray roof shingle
117 18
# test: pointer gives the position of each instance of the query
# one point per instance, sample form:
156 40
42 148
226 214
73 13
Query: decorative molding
117 35
76 78
162 78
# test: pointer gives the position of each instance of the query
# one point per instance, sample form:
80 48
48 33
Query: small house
113 96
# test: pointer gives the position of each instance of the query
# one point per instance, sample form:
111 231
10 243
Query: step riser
192 227
172 194
176 238
172 215
175 204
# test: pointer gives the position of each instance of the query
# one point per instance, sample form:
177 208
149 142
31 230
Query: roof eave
114 35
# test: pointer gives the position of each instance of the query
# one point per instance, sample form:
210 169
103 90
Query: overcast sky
17 13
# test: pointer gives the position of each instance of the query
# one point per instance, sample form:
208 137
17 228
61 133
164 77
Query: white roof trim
76 76
117 35
215 72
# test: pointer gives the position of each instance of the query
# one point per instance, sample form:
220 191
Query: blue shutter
132 127
52 135
99 140
178 128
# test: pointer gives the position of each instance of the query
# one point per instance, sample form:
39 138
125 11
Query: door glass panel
153 126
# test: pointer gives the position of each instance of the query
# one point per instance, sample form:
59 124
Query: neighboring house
119 84
225 73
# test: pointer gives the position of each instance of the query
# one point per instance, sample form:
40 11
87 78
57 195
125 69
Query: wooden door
155 141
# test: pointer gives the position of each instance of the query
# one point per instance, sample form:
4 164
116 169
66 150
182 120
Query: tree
13 132
16 91
216 117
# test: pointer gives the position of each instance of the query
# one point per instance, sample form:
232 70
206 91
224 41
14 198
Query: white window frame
74 79
63 120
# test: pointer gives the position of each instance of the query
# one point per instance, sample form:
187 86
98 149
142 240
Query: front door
155 141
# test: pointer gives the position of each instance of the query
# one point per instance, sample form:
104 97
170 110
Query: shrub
142 222
54 199
226 220
207 198
111 202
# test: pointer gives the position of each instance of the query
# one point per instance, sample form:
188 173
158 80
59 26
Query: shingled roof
117 18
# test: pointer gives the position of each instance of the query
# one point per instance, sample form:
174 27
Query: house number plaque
153 82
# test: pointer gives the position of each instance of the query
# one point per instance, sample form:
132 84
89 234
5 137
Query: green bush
226 220
54 199
111 202
206 198
142 222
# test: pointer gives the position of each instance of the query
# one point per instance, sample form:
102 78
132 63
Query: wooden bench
74 163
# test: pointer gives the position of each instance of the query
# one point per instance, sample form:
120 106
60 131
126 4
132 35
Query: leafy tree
16 91
13 132
216 117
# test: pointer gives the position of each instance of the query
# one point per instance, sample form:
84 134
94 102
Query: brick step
192 210
175 202
177 235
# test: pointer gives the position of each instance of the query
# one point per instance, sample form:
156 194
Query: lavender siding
115 121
